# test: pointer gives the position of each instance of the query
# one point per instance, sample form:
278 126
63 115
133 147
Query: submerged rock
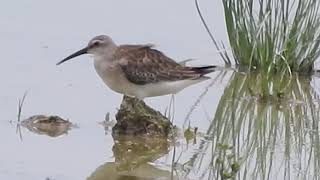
133 157
109 171
136 118
52 126
131 152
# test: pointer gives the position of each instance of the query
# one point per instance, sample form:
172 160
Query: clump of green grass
274 35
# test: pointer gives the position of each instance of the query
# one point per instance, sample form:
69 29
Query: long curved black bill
78 53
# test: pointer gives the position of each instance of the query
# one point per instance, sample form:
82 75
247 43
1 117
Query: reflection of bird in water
139 70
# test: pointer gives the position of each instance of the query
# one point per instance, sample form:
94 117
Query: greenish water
252 136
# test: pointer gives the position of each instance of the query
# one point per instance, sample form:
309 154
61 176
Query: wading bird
139 70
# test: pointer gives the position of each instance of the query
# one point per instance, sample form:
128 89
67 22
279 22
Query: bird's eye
96 43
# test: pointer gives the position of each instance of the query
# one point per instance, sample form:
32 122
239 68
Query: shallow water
266 139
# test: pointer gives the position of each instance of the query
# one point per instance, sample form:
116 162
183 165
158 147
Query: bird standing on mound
139 70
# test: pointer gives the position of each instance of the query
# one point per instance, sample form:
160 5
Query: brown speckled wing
143 64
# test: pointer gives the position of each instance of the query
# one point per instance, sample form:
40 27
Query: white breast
111 75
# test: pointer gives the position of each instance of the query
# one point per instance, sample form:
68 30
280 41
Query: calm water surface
239 135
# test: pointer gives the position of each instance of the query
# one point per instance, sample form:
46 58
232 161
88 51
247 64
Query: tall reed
274 35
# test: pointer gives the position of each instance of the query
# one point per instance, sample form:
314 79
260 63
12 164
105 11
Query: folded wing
143 64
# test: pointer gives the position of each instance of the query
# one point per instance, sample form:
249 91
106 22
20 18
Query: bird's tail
204 70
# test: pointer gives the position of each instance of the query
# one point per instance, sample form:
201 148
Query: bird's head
97 46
